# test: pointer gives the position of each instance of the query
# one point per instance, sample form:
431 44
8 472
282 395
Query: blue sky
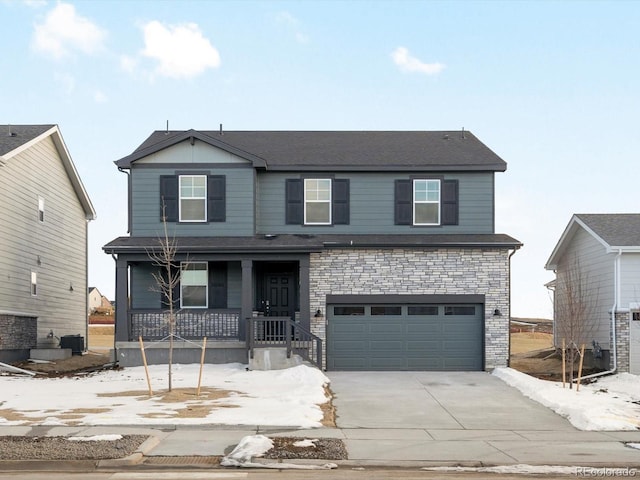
551 87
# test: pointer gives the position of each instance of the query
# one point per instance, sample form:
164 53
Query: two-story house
43 241
380 243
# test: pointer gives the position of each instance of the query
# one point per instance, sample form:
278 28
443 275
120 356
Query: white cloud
128 63
35 3
410 64
181 50
293 24
99 97
64 31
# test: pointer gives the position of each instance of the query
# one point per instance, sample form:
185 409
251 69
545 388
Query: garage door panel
406 342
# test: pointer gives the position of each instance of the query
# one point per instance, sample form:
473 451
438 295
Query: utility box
74 342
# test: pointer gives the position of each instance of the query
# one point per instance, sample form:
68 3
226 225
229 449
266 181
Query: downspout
509 300
614 307
115 354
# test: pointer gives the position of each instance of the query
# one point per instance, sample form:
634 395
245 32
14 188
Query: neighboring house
98 303
43 240
381 244
605 248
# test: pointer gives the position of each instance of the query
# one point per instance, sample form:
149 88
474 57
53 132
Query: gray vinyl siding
372 205
598 269
197 153
59 241
145 203
142 285
629 279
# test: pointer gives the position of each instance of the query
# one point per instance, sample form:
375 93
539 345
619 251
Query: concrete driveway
437 401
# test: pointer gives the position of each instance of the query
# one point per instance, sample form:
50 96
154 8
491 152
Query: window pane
423 310
318 213
426 213
193 194
460 310
192 210
386 310
359 310
193 296
193 284
318 189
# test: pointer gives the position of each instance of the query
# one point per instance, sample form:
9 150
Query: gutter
614 307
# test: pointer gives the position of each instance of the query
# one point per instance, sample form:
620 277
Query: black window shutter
294 201
449 202
403 212
340 198
216 198
218 285
169 197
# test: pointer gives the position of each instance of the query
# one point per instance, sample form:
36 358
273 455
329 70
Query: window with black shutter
193 198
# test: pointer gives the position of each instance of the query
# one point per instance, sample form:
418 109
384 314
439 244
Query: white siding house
43 240
606 250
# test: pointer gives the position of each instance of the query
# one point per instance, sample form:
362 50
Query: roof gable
340 150
616 232
15 139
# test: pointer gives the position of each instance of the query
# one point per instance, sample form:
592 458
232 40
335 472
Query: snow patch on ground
106 398
605 405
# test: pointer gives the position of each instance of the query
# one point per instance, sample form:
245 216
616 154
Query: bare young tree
166 280
576 310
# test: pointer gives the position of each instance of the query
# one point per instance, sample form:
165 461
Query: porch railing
263 332
219 324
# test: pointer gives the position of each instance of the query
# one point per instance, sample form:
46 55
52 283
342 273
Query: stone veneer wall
418 272
18 332
622 341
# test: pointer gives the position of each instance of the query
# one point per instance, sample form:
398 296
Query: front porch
236 288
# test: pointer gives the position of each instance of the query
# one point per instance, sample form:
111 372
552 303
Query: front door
279 295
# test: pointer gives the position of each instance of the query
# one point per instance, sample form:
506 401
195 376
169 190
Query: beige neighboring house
98 302
43 240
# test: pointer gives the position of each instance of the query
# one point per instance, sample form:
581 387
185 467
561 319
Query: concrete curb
135 458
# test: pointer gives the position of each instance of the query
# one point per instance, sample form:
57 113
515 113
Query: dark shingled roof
311 243
13 136
339 150
617 229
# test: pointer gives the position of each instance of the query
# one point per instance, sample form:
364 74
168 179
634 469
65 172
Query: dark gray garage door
405 337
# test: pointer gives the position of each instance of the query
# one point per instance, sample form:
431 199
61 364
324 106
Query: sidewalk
418 447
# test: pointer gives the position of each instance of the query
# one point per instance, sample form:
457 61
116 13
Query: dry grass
100 337
530 341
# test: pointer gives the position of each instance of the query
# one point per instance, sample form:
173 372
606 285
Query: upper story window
193 284
193 198
34 283
426 202
317 201
40 209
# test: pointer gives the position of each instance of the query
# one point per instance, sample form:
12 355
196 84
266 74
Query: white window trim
318 201
438 202
41 216
206 285
204 198
33 285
